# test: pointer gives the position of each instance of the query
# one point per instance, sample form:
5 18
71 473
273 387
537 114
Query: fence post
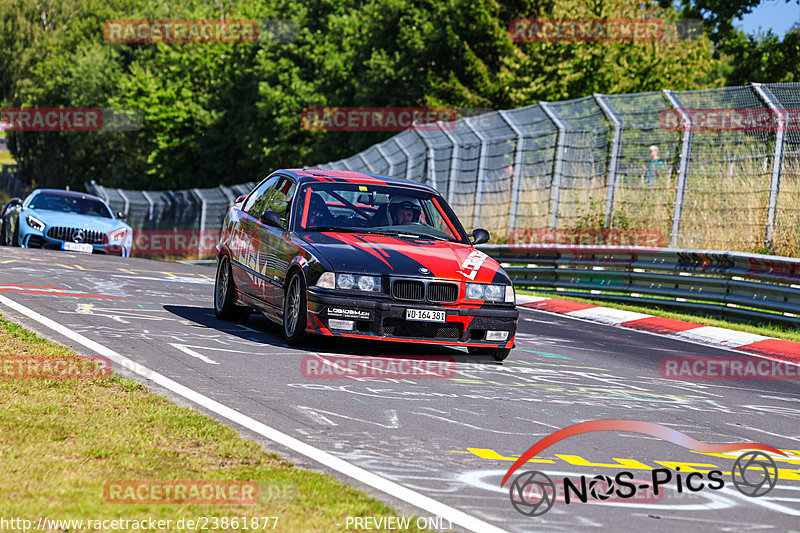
777 159
451 179
203 211
613 159
482 157
431 158
558 164
385 157
408 160
367 166
227 192
150 208
683 166
516 178
125 202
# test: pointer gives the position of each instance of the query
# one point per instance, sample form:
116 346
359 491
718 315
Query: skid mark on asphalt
319 416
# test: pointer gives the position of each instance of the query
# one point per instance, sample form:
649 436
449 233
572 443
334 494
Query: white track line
368 478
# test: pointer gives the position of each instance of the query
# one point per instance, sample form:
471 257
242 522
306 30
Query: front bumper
36 239
384 319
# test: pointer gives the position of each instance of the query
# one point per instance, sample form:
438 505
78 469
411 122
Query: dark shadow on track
259 328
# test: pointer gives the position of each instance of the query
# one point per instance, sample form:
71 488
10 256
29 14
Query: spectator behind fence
655 167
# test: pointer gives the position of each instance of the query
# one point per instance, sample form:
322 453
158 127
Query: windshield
80 205
383 209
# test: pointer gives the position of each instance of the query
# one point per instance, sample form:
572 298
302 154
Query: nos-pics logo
533 493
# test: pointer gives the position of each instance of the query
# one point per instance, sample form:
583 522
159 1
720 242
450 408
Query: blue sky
777 15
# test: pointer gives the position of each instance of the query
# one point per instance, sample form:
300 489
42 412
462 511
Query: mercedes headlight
118 235
35 223
489 293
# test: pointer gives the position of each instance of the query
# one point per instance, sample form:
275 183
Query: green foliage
229 113
764 58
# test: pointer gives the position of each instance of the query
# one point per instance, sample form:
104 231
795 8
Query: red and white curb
669 327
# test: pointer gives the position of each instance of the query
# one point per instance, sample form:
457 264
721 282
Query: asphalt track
453 439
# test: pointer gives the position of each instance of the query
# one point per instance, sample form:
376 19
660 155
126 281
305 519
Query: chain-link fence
698 169
715 169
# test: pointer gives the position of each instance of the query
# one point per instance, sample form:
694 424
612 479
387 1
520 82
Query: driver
318 212
404 210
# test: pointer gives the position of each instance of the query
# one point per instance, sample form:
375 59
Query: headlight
359 283
354 282
490 293
35 223
118 235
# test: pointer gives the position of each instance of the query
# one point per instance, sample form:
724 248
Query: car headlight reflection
354 282
35 223
489 293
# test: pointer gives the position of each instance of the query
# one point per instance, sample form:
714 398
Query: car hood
74 220
394 256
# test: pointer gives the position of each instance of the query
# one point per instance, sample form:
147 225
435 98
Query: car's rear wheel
295 309
3 230
225 294
499 354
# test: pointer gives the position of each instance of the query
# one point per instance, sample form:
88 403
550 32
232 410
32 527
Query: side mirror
241 198
15 201
271 218
479 236
122 216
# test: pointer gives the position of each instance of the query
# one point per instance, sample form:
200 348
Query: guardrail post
683 166
431 157
408 160
228 195
125 202
451 179
385 157
558 164
482 157
363 159
150 208
613 159
203 212
519 160
777 159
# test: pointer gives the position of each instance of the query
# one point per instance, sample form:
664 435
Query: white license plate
81 247
425 315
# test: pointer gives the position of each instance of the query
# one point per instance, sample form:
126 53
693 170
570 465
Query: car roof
305 175
72 194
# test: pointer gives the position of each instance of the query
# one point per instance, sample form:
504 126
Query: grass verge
63 440
766 329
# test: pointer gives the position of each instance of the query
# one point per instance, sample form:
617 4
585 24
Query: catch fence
584 167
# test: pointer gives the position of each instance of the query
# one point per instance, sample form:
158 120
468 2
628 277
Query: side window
256 202
279 196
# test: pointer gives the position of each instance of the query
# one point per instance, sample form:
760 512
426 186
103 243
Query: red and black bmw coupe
345 254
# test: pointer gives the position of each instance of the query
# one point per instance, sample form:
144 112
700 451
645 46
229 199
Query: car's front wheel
295 309
499 354
225 294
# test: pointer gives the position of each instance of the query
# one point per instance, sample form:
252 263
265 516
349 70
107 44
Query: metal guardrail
735 284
